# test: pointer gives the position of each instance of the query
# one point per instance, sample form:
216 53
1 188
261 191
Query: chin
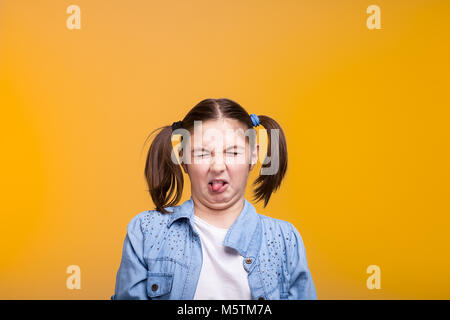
219 200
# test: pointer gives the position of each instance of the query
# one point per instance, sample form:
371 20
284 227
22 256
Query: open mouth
217 185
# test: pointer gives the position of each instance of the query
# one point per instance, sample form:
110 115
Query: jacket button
248 261
154 287
261 298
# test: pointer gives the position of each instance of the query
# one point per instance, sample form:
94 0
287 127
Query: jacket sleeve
132 275
301 285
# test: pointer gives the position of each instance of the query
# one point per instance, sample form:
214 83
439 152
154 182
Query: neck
221 218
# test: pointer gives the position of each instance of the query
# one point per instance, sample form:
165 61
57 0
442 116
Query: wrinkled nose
218 163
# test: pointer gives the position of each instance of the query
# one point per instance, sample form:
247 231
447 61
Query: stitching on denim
169 260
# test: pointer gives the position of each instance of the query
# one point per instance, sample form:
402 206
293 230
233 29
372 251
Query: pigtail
268 182
164 177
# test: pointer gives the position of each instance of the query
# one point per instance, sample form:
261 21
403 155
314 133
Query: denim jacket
162 256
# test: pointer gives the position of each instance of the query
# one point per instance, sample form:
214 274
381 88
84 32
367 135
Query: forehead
222 131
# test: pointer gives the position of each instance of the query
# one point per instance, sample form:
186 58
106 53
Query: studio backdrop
360 88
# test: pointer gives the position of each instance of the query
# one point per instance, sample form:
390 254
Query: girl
214 245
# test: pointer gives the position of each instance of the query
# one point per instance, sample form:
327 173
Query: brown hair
165 178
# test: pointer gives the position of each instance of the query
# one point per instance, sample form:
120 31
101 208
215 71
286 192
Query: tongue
216 186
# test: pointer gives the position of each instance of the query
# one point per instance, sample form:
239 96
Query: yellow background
366 114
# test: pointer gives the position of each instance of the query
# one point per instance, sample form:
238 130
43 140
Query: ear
254 157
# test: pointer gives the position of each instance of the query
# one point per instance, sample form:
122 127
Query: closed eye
233 153
201 155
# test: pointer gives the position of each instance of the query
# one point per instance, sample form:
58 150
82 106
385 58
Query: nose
218 163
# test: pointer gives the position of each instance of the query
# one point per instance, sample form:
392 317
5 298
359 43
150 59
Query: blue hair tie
255 119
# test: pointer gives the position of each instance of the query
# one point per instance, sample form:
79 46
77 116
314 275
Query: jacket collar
244 234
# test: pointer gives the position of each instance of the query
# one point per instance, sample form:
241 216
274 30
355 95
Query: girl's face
220 162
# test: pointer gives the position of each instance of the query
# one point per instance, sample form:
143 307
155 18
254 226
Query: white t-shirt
222 276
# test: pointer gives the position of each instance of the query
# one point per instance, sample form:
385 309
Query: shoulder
274 224
146 220
284 230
